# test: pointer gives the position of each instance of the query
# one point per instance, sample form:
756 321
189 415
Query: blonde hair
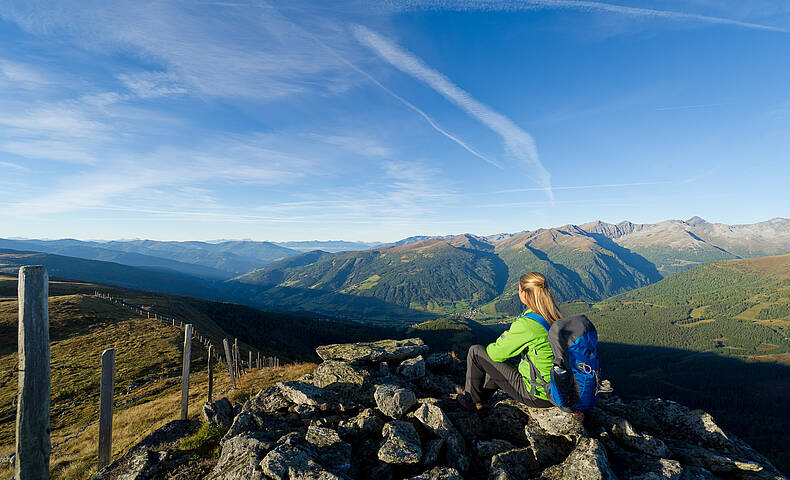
539 297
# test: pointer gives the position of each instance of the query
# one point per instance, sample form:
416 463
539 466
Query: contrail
518 143
424 115
516 5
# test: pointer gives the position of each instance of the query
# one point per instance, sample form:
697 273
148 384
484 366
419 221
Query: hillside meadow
147 375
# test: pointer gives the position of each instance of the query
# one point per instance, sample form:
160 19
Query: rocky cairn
386 410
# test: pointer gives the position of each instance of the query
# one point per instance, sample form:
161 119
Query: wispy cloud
519 144
590 6
588 187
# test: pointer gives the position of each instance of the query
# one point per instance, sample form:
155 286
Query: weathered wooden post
236 366
185 371
249 360
229 359
210 375
32 412
105 407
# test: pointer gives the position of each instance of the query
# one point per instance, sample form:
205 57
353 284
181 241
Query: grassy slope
695 337
146 350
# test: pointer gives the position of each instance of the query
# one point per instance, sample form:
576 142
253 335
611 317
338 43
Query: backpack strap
535 377
542 321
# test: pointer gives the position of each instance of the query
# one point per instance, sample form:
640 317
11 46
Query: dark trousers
484 376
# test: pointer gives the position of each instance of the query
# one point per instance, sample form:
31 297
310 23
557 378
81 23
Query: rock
219 413
667 469
678 421
147 457
439 361
487 449
393 400
298 458
434 420
547 449
365 424
271 426
625 432
143 465
401 444
432 452
347 380
440 425
436 384
456 452
268 400
469 424
372 352
513 465
239 458
715 462
439 473
588 461
330 451
412 368
302 393
506 420
556 422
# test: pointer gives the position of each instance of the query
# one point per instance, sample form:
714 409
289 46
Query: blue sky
379 120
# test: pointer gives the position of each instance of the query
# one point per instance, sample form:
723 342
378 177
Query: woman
486 369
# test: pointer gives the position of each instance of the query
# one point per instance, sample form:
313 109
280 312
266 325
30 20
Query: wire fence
126 398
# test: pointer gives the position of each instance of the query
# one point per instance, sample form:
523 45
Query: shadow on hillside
326 302
747 398
638 262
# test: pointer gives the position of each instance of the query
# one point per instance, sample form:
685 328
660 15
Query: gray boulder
330 451
439 361
588 461
347 380
295 457
547 449
401 444
439 473
302 393
240 457
412 368
218 413
487 449
555 422
513 465
432 453
365 424
143 465
393 400
268 400
372 352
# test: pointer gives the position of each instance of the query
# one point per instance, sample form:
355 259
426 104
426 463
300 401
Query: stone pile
386 410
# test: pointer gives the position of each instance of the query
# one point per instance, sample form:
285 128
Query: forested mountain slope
713 337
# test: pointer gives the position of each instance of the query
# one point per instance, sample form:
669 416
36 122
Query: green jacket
525 333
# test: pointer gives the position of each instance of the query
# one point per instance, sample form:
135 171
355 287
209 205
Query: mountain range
418 277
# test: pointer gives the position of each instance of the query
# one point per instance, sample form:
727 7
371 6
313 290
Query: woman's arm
511 343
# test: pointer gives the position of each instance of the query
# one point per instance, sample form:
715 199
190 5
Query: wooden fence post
229 359
105 407
185 371
210 375
32 413
236 367
249 360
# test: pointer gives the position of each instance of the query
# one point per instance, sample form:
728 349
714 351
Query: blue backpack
575 374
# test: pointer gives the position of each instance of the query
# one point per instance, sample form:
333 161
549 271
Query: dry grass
133 424
81 327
